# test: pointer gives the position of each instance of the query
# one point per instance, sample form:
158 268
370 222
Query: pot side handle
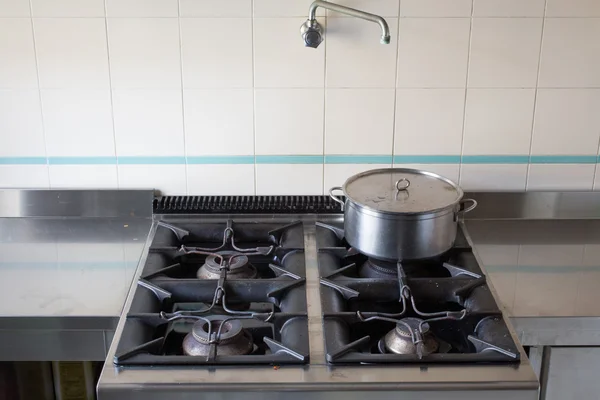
463 210
334 197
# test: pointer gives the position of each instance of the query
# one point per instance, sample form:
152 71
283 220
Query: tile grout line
39 90
253 99
393 152
464 120
535 96
182 93
112 108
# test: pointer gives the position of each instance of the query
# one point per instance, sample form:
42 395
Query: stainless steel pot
401 213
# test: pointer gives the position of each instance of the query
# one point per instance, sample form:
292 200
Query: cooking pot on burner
401 213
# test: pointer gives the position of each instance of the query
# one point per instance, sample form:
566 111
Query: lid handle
402 184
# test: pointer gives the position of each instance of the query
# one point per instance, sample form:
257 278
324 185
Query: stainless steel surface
401 213
64 279
536 205
546 274
572 373
76 203
312 31
318 378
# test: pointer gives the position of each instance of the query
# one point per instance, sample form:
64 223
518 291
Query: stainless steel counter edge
472 381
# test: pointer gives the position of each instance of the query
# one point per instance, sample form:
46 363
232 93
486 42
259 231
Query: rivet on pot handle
467 209
336 199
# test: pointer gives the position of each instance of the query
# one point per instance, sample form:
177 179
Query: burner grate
448 295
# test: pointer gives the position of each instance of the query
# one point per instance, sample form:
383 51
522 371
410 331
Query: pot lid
402 190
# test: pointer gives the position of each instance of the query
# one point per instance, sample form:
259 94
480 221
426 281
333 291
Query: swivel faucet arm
385 30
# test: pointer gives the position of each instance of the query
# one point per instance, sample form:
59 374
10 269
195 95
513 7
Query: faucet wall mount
312 31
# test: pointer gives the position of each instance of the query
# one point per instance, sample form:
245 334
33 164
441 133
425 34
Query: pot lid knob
402 184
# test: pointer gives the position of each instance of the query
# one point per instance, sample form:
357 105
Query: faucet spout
385 30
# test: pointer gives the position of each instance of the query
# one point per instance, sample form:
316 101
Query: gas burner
411 336
378 269
239 266
226 333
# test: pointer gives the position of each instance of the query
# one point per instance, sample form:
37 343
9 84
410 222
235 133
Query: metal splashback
320 379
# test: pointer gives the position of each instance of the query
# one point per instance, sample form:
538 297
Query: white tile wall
208 62
560 177
71 53
78 123
166 178
359 121
504 52
436 8
78 176
287 179
148 122
280 63
144 53
493 177
14 8
508 8
21 129
433 52
67 8
208 179
570 54
355 58
278 8
293 114
567 122
498 121
24 176
141 8
572 8
211 8
209 128
16 45
187 95
429 121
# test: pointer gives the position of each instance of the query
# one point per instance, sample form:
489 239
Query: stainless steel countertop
67 260
67 268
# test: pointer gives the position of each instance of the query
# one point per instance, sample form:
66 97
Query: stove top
233 291
219 294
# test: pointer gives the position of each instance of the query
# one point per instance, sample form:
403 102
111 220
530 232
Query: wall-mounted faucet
312 31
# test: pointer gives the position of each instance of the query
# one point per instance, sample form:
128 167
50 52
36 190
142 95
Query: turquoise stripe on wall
23 160
357 159
151 160
82 160
489 159
305 159
427 159
564 159
220 160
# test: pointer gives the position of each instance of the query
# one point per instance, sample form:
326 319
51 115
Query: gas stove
264 293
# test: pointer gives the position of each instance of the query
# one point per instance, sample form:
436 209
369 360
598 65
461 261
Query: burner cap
239 267
233 340
378 269
400 339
